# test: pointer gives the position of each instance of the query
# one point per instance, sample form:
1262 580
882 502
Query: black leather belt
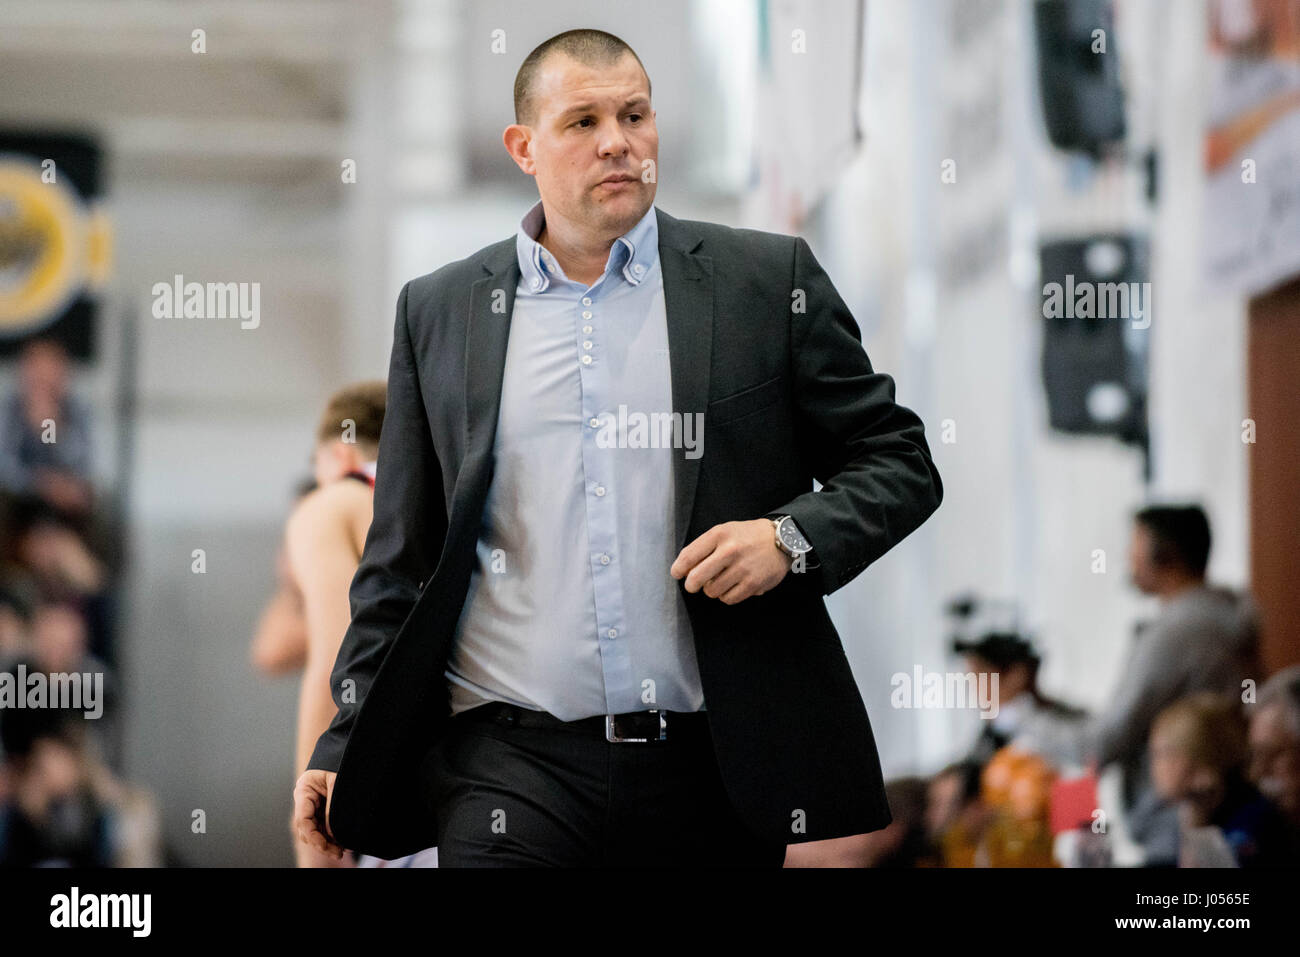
633 727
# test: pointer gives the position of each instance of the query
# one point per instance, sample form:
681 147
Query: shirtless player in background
324 537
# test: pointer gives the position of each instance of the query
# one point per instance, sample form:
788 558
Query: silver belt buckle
612 735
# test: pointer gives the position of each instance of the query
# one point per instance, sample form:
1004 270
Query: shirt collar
637 250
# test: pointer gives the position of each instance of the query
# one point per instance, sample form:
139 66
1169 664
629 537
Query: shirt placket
601 496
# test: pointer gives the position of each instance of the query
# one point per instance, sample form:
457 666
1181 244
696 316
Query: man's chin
626 206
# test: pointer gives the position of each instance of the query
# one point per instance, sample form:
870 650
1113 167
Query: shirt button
586 360
594 422
613 633
600 490
536 282
586 300
586 329
638 269
586 344
604 559
587 314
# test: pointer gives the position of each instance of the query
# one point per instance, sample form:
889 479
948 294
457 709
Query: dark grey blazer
762 344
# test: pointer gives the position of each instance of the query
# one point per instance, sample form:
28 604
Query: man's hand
733 561
311 803
310 857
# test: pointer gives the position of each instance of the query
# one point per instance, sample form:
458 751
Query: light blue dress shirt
570 607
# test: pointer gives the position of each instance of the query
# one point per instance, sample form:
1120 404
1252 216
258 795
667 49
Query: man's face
43 370
591 123
1142 567
58 638
1275 759
1171 771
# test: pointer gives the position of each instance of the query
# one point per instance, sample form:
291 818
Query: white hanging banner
806 128
1252 149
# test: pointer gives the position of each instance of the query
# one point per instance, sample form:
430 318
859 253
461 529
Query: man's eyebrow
588 107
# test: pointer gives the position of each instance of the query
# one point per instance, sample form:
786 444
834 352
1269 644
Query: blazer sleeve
869 453
402 546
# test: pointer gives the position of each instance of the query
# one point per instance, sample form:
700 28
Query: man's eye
583 120
635 117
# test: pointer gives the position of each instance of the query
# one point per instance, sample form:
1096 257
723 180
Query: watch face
791 538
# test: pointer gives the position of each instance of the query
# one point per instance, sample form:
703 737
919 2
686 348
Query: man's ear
517 139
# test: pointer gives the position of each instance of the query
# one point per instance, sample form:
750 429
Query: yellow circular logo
51 245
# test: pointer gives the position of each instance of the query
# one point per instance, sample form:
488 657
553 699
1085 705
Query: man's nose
613 142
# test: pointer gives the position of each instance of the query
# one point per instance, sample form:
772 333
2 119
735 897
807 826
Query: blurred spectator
59 806
1275 746
1204 639
1016 663
45 557
49 553
45 432
58 646
51 816
15 625
956 817
1198 762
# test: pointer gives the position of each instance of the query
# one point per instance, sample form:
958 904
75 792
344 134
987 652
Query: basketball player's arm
402 545
323 558
280 641
869 453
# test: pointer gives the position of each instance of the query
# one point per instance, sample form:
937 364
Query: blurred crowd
1207 748
62 799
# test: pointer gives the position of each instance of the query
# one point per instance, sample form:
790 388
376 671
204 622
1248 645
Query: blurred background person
45 432
1275 746
60 805
324 538
1016 664
51 816
1198 764
1204 638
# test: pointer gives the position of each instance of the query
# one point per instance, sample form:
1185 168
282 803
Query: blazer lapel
688 304
491 303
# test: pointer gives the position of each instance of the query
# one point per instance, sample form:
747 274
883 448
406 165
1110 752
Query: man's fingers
736 593
709 569
692 554
311 813
725 580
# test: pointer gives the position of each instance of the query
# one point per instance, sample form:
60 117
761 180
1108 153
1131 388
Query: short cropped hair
589 47
364 404
1180 535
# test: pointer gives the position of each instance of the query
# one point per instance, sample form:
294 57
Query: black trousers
513 788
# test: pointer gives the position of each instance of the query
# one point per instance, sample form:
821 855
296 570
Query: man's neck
1179 587
580 264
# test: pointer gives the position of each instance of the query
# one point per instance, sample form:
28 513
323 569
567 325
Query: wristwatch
788 537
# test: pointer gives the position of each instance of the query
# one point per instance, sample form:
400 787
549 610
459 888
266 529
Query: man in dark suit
588 625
